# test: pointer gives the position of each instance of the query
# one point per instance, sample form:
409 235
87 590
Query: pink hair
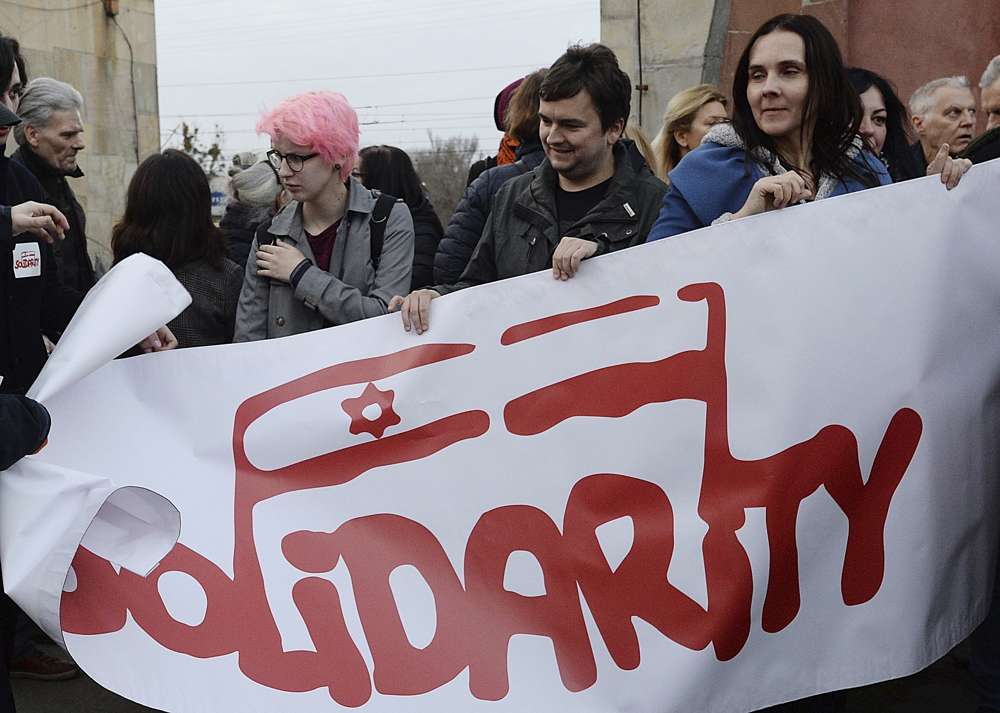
324 121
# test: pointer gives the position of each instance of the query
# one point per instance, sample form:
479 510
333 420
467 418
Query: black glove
24 426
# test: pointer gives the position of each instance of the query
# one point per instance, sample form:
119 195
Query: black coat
24 426
239 225
427 233
72 258
985 148
33 304
467 222
522 230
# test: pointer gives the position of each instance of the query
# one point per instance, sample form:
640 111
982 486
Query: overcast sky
405 66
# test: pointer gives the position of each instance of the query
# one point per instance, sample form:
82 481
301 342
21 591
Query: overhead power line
399 114
292 21
187 85
309 33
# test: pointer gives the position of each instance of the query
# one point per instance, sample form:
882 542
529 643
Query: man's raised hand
41 219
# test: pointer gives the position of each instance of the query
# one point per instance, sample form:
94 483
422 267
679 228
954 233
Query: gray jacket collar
288 222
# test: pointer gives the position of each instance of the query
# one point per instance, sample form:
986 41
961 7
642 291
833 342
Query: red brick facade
909 42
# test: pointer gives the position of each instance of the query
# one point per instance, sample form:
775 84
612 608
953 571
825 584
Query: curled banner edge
146 534
138 279
43 603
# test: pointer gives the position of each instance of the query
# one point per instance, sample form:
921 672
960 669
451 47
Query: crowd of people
321 232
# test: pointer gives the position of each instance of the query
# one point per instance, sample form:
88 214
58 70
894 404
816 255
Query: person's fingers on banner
953 170
159 341
415 309
424 309
568 255
167 339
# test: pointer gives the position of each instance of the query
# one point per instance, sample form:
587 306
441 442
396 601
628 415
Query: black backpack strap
261 233
377 223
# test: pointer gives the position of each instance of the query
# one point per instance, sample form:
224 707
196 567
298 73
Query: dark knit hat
501 102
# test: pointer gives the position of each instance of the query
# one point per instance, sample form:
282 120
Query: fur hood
725 135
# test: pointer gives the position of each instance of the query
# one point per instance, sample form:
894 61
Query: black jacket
426 236
72 258
466 224
522 230
24 426
918 162
986 147
32 304
239 224
479 167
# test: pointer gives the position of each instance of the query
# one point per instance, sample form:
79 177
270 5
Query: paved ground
945 687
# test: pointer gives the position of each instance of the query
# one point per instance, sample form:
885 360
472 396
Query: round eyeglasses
294 160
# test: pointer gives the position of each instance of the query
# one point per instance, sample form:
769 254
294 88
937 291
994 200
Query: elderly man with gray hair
987 146
50 136
989 100
943 113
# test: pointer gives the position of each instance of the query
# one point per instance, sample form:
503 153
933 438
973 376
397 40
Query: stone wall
84 47
682 43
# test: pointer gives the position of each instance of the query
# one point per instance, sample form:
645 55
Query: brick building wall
908 41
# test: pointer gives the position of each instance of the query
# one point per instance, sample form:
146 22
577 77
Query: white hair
922 100
41 99
992 73
257 185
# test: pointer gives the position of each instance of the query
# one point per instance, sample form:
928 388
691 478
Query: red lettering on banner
239 619
538 327
729 485
499 613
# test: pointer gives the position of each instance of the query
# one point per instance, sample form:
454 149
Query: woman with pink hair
337 252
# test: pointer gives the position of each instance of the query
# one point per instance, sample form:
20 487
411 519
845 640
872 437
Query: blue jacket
713 179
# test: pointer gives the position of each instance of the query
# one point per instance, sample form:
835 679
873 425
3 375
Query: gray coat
350 291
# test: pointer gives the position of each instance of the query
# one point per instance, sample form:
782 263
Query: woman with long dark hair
793 136
168 216
884 123
884 126
389 169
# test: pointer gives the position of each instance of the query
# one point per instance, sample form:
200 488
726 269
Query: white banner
733 468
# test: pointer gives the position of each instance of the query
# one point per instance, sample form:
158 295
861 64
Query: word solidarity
239 619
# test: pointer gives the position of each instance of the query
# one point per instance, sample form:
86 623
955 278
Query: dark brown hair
389 169
168 214
896 150
832 105
594 68
10 55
